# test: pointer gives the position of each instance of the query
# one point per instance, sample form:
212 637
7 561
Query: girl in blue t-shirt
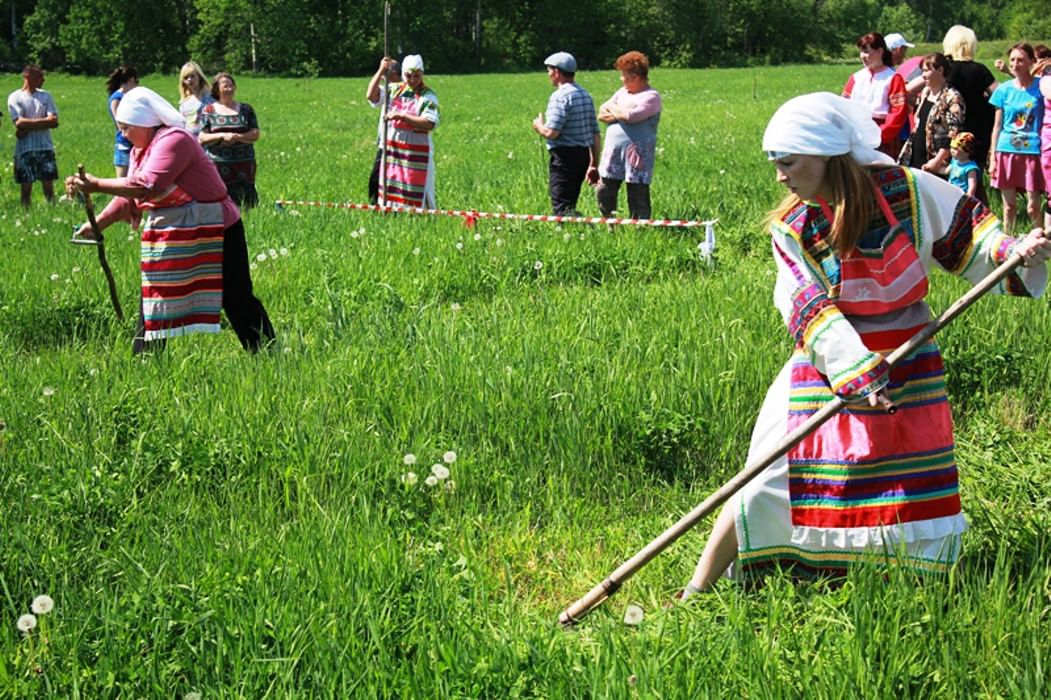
119 82
964 172
1015 162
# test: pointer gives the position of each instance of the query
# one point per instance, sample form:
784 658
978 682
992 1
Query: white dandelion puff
293 213
354 234
409 478
272 253
416 251
409 459
567 237
192 695
93 371
510 155
633 615
431 480
55 277
440 472
450 486
42 604
459 245
26 623
76 270
361 231
49 391
131 237
499 241
253 266
449 457
477 236
283 251
538 265
261 257
455 306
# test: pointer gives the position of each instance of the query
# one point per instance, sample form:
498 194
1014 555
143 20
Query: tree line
346 37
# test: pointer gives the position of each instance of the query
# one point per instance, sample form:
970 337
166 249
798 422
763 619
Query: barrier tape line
470 216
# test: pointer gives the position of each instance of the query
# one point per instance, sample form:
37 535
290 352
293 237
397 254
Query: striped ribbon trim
470 217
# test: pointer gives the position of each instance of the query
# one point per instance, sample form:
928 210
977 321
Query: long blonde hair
191 68
852 201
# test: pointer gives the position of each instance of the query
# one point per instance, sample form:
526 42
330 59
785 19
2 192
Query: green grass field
211 522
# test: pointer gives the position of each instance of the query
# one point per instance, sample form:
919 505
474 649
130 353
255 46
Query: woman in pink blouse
630 149
194 254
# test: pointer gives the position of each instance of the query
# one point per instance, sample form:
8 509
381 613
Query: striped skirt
865 486
409 175
182 270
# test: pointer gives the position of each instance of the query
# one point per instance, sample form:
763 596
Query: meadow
237 526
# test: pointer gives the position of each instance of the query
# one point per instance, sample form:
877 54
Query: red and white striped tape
471 216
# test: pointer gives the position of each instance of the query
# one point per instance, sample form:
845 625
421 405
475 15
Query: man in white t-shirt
34 114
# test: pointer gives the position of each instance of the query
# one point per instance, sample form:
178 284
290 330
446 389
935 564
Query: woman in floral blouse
938 119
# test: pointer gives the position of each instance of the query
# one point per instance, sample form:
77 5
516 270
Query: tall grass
239 526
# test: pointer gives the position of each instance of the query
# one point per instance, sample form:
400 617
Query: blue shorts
35 165
121 156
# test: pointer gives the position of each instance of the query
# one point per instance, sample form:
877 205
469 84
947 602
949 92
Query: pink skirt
1018 171
1045 159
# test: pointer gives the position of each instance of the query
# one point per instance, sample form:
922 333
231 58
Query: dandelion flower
431 480
440 472
253 266
567 237
55 277
455 306
633 615
409 478
42 604
354 234
415 251
361 231
293 213
449 457
538 265
261 257
93 371
283 251
192 695
477 236
499 241
510 155
409 459
459 245
450 486
131 237
49 391
26 623
76 270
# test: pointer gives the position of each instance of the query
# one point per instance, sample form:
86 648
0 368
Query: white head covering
412 62
823 124
143 107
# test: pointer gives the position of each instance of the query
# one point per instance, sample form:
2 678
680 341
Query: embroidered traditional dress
182 265
882 91
867 484
409 177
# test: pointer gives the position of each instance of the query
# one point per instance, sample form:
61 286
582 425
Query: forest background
343 38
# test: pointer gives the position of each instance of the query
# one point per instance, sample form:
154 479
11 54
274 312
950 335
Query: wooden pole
383 115
101 247
597 595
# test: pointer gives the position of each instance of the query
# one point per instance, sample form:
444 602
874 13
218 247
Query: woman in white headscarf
408 180
194 254
853 243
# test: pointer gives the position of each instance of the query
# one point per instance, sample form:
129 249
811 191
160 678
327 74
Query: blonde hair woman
854 242
975 83
194 95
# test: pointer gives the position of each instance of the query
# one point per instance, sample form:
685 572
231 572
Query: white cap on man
896 41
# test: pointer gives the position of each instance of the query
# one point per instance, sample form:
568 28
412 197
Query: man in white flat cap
573 138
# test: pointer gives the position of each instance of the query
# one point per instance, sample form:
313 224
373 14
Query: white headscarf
823 124
412 62
143 107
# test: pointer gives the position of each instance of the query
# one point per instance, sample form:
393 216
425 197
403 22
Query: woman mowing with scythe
194 255
853 243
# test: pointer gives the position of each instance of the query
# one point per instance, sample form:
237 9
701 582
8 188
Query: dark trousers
566 172
638 198
374 178
246 314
